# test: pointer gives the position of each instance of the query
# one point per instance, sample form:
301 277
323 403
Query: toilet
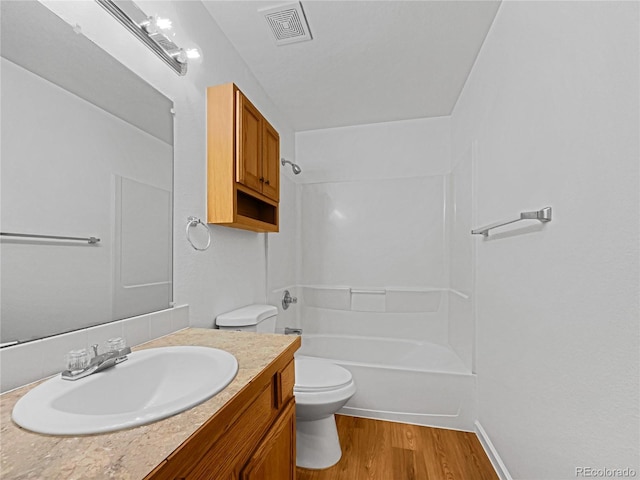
321 389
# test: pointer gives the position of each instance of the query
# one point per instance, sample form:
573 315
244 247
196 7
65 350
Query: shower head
296 169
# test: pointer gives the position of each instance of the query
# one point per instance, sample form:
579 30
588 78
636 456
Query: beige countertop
132 453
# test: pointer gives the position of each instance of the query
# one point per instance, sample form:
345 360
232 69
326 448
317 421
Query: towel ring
193 222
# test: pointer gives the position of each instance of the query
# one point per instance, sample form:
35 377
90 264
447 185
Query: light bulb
163 23
193 53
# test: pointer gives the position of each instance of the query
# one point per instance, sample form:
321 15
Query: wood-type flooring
377 450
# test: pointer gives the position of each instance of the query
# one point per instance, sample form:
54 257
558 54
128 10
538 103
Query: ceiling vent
288 23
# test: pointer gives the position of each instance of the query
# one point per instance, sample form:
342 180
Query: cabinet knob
266 182
261 179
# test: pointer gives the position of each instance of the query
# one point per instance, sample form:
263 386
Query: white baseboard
492 453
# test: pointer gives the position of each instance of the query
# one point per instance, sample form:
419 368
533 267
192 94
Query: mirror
87 151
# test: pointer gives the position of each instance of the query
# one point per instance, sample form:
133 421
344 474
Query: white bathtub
401 380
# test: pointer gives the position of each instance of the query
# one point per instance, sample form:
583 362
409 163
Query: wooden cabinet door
275 456
249 144
270 161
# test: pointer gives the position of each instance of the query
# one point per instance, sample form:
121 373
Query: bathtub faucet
292 331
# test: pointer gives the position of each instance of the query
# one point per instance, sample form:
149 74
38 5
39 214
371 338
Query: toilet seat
317 375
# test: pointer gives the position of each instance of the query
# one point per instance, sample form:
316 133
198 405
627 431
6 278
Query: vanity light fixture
152 31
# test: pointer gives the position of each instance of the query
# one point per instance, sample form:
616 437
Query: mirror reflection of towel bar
544 215
91 240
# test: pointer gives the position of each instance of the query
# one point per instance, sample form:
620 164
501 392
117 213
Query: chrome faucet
99 362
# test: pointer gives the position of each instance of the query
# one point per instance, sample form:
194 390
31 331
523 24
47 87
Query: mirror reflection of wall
86 151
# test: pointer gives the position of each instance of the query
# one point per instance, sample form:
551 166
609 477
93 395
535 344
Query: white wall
552 107
403 149
232 272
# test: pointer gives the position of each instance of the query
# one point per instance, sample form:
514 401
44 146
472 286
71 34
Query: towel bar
543 215
91 240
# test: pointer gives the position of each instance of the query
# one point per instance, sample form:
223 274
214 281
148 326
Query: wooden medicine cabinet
243 163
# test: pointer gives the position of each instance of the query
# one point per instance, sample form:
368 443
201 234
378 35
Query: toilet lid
314 375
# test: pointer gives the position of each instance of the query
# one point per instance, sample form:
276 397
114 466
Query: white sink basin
153 384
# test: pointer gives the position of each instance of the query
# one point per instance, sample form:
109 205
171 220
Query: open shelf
256 209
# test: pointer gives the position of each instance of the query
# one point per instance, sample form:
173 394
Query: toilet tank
252 318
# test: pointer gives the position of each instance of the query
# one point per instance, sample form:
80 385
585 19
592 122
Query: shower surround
384 282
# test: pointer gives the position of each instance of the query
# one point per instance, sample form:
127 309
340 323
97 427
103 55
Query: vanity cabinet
251 438
243 162
275 457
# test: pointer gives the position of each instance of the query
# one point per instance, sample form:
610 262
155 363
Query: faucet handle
94 347
287 299
77 359
116 344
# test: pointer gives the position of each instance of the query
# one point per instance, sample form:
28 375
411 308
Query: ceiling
368 62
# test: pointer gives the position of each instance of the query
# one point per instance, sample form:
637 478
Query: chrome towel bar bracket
543 215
